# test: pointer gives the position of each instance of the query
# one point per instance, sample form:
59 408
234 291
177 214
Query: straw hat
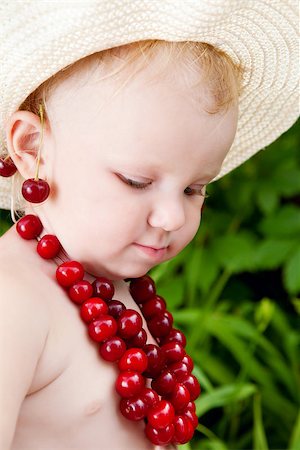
38 38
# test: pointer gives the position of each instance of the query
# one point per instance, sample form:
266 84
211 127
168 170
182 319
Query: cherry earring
36 190
7 167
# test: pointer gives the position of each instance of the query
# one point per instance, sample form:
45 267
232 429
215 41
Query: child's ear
23 133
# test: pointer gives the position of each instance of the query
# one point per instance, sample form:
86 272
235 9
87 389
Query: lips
155 253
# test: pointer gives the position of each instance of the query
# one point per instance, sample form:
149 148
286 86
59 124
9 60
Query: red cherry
129 323
29 226
48 246
173 352
188 361
133 408
175 335
93 308
7 167
191 406
164 383
133 359
102 328
35 191
191 382
153 306
156 360
112 349
142 289
191 416
180 370
139 340
103 288
179 397
183 429
80 291
161 436
69 273
161 324
115 308
129 383
161 414
149 396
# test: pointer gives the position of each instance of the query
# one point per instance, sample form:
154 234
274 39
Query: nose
167 213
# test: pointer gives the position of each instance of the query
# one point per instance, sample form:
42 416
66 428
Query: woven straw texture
38 38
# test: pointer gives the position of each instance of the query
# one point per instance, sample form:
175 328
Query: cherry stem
40 143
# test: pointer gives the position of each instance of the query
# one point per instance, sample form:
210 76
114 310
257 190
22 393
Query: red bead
149 396
133 408
29 227
115 308
191 416
173 352
161 414
188 361
102 328
7 167
142 289
35 191
112 349
103 288
193 386
129 383
183 430
80 291
133 359
139 340
129 323
156 360
69 273
179 397
48 246
161 436
180 370
160 325
153 306
164 383
175 335
93 308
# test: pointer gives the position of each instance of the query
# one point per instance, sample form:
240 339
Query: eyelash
137 185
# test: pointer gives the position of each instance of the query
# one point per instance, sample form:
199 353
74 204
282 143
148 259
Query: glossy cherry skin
188 361
134 359
129 323
191 416
7 167
142 289
133 408
149 396
153 306
175 335
156 360
173 352
69 273
161 414
139 340
35 191
115 308
161 324
180 370
164 383
112 349
80 291
179 397
102 328
129 383
103 288
183 430
192 384
92 308
162 436
48 246
29 227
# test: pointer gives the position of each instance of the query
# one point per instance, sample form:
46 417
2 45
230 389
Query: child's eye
135 184
197 190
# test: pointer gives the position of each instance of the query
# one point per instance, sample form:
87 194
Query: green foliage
235 292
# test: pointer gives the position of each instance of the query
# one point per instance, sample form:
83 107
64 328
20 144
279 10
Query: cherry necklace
168 407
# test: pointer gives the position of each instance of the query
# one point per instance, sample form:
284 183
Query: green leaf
272 253
259 435
267 199
295 435
286 222
291 273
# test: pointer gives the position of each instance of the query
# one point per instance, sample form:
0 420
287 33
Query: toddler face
128 174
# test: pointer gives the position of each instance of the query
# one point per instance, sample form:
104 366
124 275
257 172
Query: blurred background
235 292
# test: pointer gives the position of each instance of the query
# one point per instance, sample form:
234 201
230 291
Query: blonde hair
222 77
